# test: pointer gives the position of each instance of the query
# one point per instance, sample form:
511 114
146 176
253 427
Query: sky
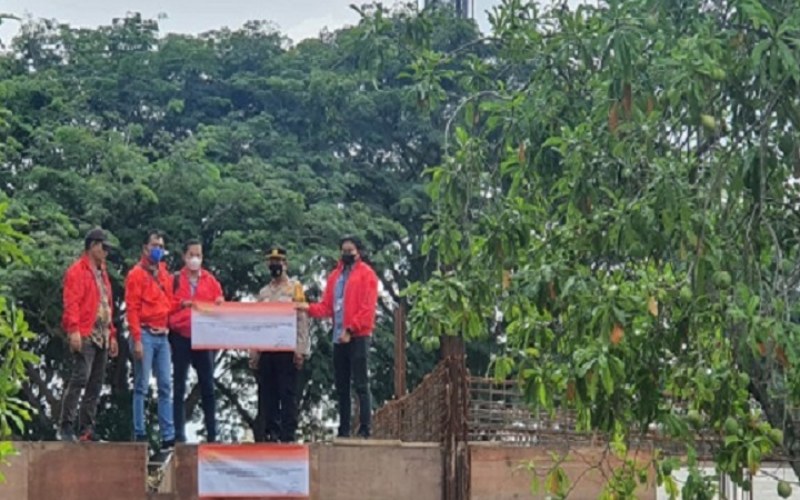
299 19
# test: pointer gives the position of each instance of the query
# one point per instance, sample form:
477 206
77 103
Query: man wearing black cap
277 371
87 320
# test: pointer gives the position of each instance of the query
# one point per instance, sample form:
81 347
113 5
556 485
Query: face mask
156 254
276 270
194 263
348 259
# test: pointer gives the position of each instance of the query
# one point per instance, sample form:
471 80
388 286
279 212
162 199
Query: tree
15 412
623 198
235 137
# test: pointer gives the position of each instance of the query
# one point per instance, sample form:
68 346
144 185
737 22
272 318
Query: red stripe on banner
246 308
253 452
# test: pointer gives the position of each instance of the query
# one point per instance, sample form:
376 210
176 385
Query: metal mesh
418 416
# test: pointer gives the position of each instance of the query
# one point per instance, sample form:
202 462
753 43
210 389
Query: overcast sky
298 18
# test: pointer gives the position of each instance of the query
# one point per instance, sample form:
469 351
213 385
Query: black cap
276 252
97 234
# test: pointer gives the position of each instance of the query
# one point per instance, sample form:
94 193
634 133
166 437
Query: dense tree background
240 138
623 198
605 196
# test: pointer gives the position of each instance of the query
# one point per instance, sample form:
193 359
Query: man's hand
298 361
138 350
75 342
219 301
301 306
345 338
113 348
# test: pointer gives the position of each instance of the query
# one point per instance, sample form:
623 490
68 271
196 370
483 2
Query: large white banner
258 470
263 326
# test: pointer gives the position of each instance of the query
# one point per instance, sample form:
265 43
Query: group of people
158 308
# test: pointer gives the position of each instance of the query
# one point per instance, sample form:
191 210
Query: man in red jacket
88 322
350 299
148 301
193 284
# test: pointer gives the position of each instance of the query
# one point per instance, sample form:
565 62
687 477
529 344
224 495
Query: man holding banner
350 299
193 285
277 372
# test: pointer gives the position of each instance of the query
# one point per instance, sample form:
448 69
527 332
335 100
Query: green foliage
620 200
235 137
14 334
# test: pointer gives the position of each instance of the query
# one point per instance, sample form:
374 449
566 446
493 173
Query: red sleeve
176 297
73 292
364 317
324 308
133 304
217 288
170 285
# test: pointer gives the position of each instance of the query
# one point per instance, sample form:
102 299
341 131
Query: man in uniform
277 372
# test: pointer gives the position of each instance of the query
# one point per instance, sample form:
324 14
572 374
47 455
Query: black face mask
276 270
348 259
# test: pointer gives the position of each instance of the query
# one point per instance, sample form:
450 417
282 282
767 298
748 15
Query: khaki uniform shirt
288 291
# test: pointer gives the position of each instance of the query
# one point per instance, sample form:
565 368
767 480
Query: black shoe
167 447
140 439
67 435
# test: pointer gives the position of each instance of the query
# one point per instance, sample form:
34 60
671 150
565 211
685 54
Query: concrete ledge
352 469
81 471
502 472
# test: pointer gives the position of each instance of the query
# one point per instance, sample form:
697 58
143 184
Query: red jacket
208 290
82 298
360 299
147 301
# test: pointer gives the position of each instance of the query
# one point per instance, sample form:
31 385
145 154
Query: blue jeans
156 359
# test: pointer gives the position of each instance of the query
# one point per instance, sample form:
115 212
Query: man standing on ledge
350 298
88 321
277 372
148 300
192 285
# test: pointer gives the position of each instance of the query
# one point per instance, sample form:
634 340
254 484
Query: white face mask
194 263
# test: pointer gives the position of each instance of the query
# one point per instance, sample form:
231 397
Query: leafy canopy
618 195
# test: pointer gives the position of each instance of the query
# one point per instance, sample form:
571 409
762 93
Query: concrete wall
346 470
60 471
503 472
386 471
352 470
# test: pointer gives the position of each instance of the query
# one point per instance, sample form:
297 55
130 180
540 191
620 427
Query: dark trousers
203 363
277 397
350 362
88 371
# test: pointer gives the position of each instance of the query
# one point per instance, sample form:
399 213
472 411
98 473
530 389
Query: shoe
140 439
67 435
167 447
